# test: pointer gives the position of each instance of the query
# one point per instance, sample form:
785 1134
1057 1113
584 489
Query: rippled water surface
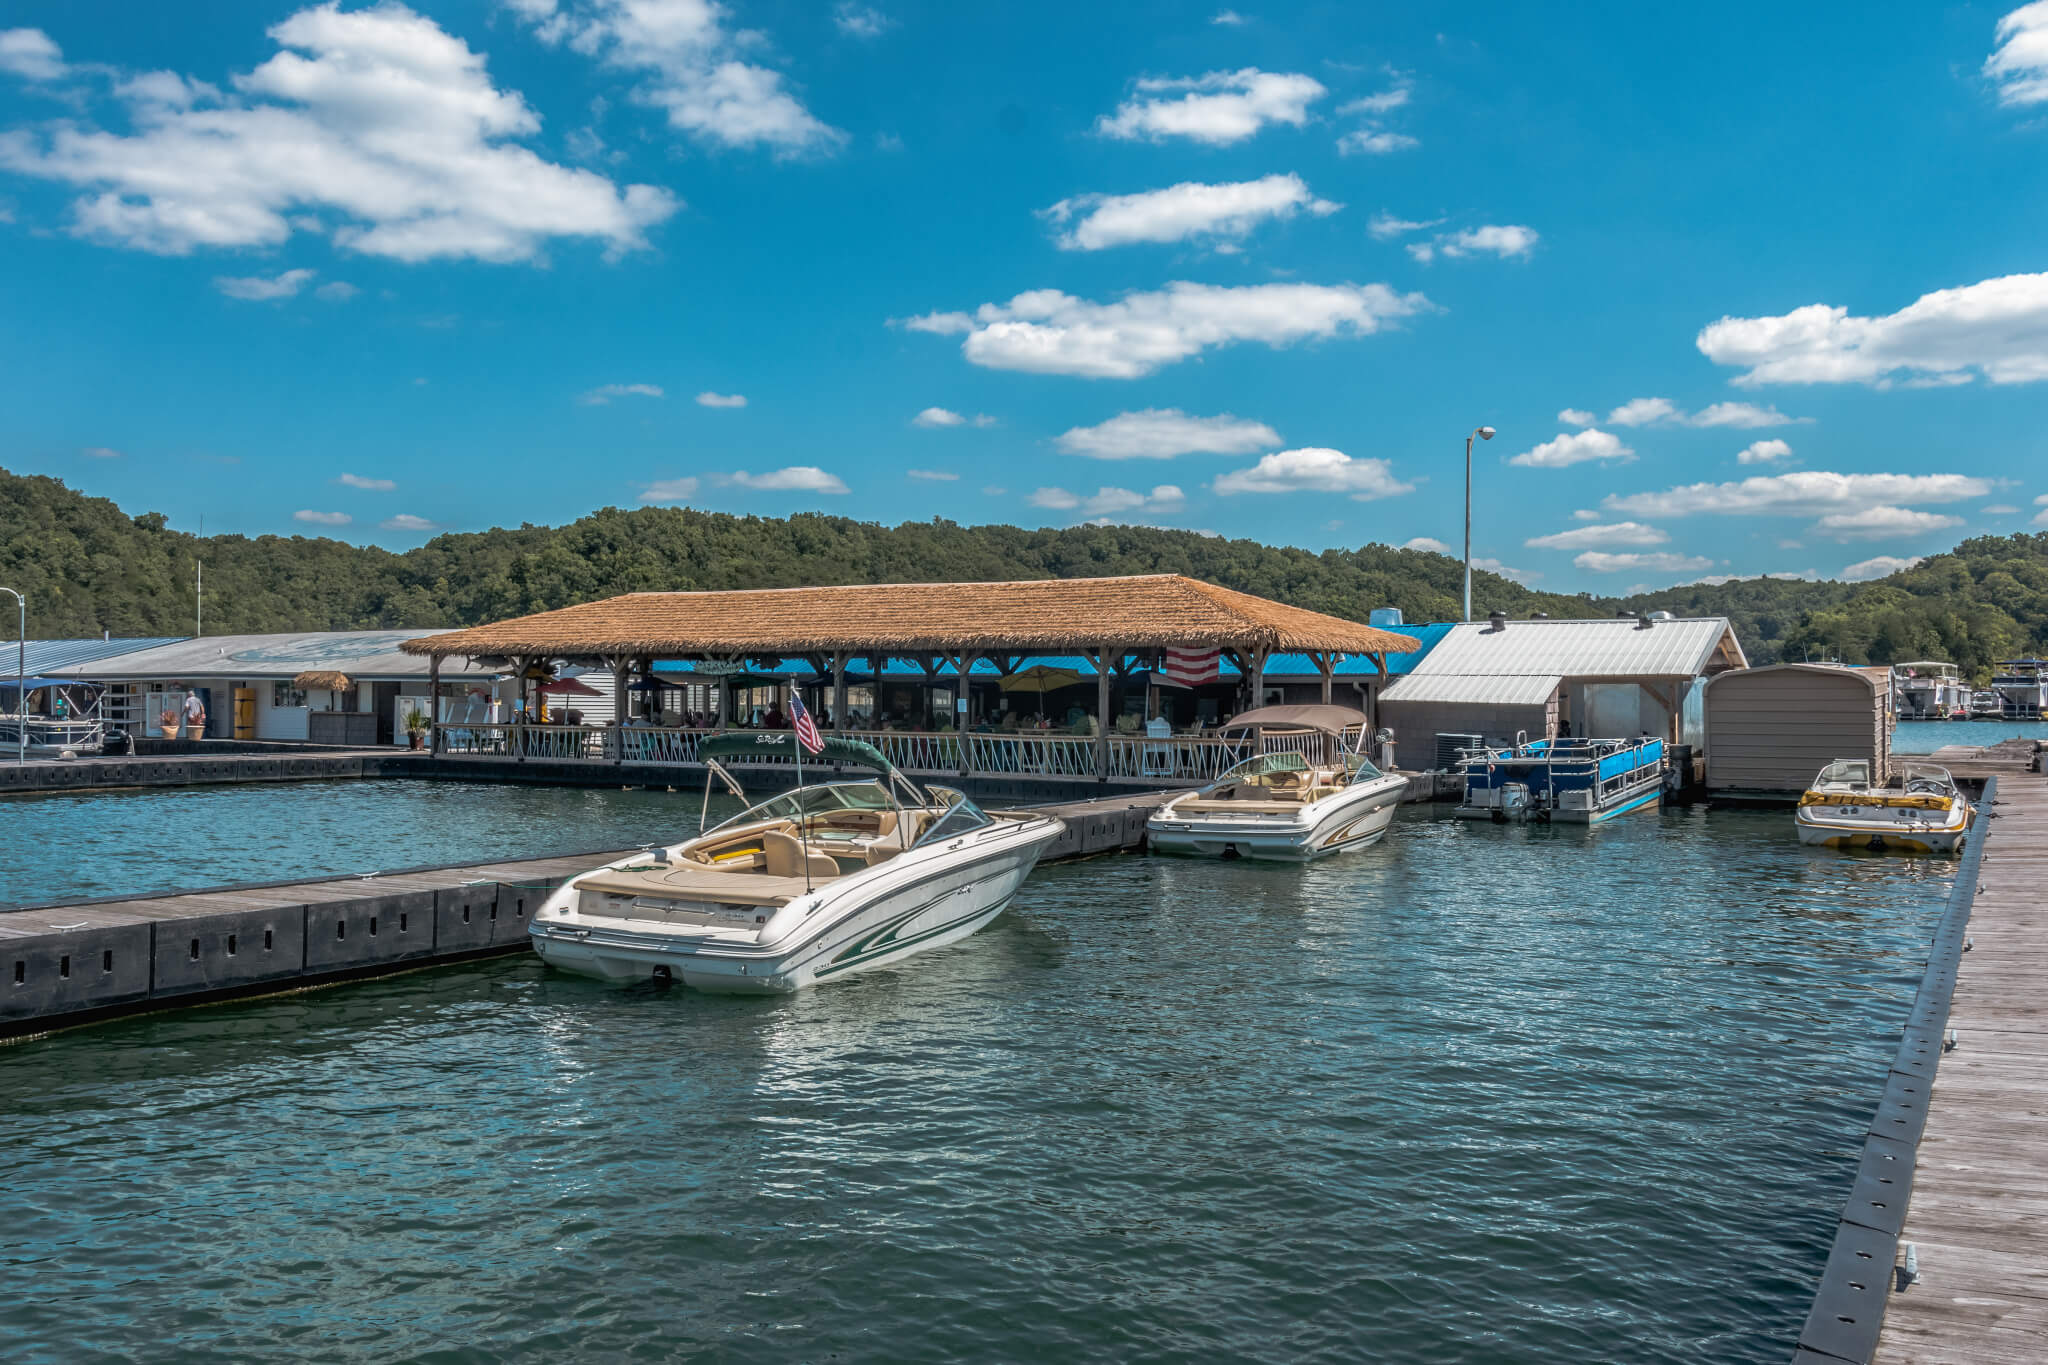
1480 1094
1925 736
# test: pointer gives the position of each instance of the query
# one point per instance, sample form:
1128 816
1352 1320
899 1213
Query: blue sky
1750 290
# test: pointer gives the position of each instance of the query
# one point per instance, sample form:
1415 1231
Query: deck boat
815 885
1986 705
1930 690
1922 811
2022 687
1309 791
1574 781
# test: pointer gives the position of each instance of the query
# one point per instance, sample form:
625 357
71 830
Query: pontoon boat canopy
1330 720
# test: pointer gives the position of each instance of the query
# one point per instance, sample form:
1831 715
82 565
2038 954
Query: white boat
1922 811
815 885
1310 792
1986 705
1929 689
2022 688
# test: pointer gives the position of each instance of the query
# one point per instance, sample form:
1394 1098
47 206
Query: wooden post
433 704
622 708
1326 664
839 690
1379 685
1102 658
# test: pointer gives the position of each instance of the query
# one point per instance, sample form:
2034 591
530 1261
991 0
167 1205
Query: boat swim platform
1954 1177
79 962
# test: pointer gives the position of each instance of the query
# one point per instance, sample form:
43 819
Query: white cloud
1585 514
1763 452
1384 102
1218 108
336 291
1421 251
1577 417
1315 469
861 21
946 417
321 518
1997 327
367 484
1799 494
31 54
1715 580
100 453
1228 212
801 478
708 399
1883 566
693 68
1504 240
605 393
375 122
1641 412
1110 502
1229 18
1373 142
257 289
1883 523
669 490
2019 64
1594 561
1505 570
406 521
1162 433
1427 544
1049 332
1386 227
1593 537
931 475
1574 447
1999 510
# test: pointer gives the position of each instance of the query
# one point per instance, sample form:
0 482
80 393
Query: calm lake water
1479 1094
1925 736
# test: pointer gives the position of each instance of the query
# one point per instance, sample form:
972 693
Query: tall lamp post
20 681
1484 434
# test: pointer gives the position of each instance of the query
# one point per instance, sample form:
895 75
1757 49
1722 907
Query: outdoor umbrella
1041 679
569 687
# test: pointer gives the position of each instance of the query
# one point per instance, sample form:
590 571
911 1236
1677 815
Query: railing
1176 759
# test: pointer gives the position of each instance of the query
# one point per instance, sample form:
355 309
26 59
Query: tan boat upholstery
784 856
1198 806
693 881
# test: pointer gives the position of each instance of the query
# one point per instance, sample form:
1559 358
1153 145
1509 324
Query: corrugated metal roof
365 655
1611 648
44 655
1515 689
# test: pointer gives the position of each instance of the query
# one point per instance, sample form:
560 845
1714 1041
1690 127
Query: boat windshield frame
1909 773
818 798
1829 776
961 816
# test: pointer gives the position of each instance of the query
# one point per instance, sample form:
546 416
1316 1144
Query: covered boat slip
1123 628
1769 730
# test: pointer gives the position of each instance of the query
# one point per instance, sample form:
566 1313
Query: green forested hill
88 566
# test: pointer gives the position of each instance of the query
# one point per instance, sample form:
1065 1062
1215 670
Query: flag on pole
1191 667
806 728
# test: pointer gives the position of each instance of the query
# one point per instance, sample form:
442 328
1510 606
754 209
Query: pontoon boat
1923 811
1574 781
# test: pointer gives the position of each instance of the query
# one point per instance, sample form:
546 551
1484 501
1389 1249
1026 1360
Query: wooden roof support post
1326 664
434 705
1378 685
1102 658
839 657
622 706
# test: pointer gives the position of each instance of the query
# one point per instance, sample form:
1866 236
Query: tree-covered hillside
88 566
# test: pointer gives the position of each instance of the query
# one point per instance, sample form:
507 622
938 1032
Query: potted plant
417 723
169 722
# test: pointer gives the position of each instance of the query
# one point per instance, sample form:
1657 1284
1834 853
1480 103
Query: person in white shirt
195 716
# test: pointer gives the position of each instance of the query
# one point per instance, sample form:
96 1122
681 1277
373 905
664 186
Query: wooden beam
1102 714
839 658
433 704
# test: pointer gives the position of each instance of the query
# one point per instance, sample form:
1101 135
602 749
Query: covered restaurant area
1105 678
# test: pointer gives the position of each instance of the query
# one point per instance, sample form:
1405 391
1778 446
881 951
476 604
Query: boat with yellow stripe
1919 811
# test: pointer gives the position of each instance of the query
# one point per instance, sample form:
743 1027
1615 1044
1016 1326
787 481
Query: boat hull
1345 823
916 905
1887 836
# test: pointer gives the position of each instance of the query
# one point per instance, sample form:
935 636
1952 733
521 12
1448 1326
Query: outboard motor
1514 801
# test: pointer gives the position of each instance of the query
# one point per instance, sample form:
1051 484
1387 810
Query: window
283 694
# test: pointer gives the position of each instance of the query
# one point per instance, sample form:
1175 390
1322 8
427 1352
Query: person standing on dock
195 716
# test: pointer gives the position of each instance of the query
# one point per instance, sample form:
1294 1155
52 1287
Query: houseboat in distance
1928 689
2022 687
1572 781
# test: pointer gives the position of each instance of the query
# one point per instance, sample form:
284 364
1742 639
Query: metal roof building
364 655
46 656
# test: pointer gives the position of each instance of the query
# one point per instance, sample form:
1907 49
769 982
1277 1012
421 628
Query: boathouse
1771 730
1609 678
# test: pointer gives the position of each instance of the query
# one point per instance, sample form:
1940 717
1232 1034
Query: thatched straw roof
322 679
1054 615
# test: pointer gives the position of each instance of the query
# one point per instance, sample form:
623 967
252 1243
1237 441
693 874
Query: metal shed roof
1583 651
46 655
365 655
1515 689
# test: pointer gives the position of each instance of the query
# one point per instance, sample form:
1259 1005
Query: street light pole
1484 434
20 681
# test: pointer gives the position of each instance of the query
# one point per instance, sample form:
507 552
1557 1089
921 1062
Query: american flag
806 728
1190 666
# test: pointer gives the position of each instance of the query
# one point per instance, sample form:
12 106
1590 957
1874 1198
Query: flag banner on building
806 728
1192 667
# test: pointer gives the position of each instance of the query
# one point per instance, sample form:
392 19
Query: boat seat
1197 805
881 853
691 881
784 856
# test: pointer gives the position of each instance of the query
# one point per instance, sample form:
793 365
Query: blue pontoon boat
1579 781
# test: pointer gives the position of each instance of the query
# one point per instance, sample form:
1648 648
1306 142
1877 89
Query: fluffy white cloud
946 417
100 453
1883 566
1427 544
1592 537
1162 433
1883 523
1577 417
801 478
605 393
1384 102
374 125
321 518
1315 469
1373 142
2041 517
861 21
1218 108
708 399
1595 561
1229 18
257 289
1504 240
1998 327
31 54
1506 570
406 521
365 483
1763 452
2019 64
692 68
1386 227
1802 493
931 475
669 490
1643 412
1585 514
1190 210
1715 580
1999 510
1049 332
336 291
1574 447
1110 502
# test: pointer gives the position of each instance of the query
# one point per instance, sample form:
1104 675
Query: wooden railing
1178 759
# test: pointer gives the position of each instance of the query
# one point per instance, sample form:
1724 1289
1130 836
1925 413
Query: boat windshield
1261 767
961 816
1359 768
1845 772
819 800
1926 778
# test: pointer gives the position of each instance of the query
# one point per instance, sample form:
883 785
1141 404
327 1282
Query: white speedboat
1311 793
815 885
1922 812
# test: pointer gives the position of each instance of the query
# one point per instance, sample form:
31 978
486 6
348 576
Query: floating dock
78 962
